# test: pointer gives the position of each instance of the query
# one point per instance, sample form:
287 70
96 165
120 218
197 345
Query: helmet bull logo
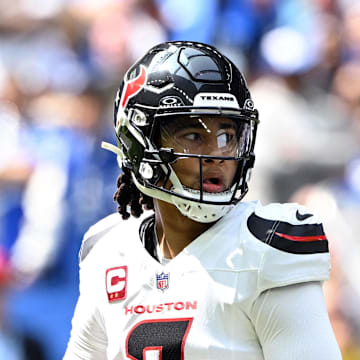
133 86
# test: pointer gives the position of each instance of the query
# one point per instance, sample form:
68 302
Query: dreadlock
127 194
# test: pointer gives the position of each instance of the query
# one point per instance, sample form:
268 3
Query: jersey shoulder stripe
292 238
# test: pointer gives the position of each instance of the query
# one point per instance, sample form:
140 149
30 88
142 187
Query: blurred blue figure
243 22
14 344
62 198
15 168
190 20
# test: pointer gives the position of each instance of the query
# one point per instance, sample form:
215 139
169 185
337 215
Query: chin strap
113 148
116 150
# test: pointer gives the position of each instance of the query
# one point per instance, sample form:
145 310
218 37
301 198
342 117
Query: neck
174 230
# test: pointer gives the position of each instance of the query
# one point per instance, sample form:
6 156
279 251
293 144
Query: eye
229 137
192 136
225 138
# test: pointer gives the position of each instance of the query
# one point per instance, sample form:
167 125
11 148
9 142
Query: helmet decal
216 99
171 101
133 86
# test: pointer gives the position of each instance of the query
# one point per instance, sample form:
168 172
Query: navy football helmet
176 83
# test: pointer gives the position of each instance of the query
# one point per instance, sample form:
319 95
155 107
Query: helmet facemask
203 161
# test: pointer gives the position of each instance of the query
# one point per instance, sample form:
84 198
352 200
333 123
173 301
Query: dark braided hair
128 195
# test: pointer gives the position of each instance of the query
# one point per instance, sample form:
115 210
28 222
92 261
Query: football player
205 276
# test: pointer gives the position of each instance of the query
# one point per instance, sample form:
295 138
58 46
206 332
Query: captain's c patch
116 283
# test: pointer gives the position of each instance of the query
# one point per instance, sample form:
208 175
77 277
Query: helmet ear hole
149 172
146 170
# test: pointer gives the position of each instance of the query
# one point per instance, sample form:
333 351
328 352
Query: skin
174 230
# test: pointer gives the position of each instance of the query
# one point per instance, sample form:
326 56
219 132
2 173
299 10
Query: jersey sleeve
291 329
88 340
294 245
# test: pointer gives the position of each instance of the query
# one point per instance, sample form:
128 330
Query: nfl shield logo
162 281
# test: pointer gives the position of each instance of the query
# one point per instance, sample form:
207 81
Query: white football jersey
197 305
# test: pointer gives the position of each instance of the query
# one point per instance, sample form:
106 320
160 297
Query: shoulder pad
96 232
288 227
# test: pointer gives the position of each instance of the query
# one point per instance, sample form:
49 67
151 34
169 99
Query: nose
213 161
212 150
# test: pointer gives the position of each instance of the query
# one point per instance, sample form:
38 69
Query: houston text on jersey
170 306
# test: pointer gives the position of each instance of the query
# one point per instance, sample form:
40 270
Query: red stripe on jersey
302 238
133 86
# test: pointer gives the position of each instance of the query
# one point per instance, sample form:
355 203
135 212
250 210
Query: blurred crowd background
60 64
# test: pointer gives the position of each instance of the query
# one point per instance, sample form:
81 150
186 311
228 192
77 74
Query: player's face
214 136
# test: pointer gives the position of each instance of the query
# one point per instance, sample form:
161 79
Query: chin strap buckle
167 155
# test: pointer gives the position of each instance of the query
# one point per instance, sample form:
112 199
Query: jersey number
158 339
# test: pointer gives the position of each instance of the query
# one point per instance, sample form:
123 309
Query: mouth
213 184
